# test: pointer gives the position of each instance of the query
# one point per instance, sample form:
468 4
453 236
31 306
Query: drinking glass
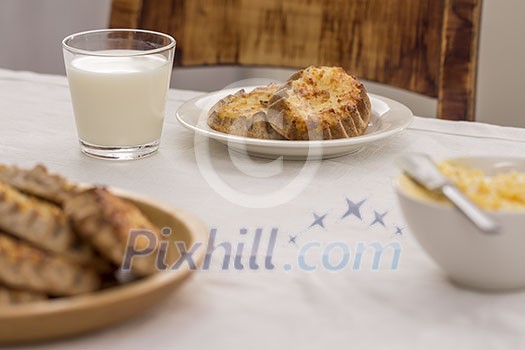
118 80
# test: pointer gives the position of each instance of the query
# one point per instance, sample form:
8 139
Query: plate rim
249 141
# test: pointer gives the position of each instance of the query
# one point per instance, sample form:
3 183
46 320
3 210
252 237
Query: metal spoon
420 168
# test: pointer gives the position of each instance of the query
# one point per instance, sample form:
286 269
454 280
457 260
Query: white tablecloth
411 307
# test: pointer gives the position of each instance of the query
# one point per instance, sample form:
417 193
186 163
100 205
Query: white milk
119 101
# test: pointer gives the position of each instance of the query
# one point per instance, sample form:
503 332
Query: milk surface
119 100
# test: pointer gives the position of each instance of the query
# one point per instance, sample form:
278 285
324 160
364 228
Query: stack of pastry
59 240
316 103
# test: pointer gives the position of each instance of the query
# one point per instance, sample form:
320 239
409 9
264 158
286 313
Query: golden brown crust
320 103
106 221
244 114
38 182
23 266
9 296
40 223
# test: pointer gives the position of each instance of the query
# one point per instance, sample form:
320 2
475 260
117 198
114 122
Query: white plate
388 118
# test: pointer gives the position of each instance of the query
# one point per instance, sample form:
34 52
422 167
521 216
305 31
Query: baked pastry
37 182
244 114
23 266
40 223
10 296
320 103
105 221
59 240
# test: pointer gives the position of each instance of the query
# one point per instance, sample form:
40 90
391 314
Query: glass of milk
119 79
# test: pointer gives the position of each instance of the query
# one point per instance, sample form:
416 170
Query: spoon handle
470 210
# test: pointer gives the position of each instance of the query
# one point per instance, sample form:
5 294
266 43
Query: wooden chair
424 46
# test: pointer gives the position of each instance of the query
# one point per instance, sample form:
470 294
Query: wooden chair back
424 46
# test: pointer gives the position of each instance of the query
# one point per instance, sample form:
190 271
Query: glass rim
66 46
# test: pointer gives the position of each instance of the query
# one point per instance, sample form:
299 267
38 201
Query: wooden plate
64 317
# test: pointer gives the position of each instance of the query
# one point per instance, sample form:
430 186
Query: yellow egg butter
500 192
504 191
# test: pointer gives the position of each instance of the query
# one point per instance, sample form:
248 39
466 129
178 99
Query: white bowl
470 257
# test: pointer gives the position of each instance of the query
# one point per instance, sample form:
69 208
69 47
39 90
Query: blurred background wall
31 32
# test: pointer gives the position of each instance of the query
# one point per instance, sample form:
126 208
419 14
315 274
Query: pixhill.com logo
260 249
261 252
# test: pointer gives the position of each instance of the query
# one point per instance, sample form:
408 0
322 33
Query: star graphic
353 209
318 220
399 230
291 239
379 218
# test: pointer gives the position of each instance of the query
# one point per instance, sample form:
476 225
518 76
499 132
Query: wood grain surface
424 46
